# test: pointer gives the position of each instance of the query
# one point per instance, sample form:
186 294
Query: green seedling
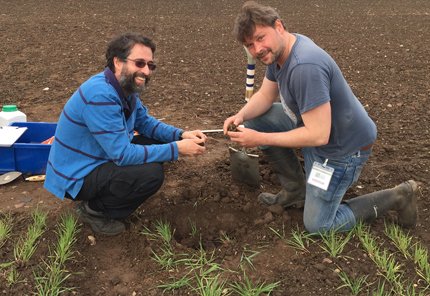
210 285
369 243
421 260
380 291
411 291
400 240
164 231
335 242
168 260
5 265
203 261
193 227
6 224
51 278
136 214
388 266
282 235
299 238
177 283
26 246
67 232
420 256
149 233
247 288
355 285
299 241
13 277
399 284
225 238
424 273
246 257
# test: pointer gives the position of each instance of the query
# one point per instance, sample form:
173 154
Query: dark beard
276 54
128 84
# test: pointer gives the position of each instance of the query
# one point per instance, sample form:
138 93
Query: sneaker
98 221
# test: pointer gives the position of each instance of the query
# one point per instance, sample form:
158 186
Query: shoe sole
298 204
415 196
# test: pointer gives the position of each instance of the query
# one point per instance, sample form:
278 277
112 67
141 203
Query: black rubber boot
402 199
98 221
287 167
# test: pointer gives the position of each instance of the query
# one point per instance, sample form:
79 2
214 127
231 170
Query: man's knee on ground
312 226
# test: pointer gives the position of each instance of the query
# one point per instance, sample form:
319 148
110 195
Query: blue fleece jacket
96 126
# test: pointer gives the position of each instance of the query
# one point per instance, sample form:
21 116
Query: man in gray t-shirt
319 114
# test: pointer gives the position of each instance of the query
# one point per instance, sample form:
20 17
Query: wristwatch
180 135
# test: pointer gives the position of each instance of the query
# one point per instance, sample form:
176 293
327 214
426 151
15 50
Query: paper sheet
9 135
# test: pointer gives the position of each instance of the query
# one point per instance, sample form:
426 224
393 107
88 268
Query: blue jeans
323 209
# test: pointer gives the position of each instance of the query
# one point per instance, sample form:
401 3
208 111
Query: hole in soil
205 225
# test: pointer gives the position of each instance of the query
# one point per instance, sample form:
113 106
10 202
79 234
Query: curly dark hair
121 46
251 15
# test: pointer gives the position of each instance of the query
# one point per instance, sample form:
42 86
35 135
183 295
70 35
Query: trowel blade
244 167
9 177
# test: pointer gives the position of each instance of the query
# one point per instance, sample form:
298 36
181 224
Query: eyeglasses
142 64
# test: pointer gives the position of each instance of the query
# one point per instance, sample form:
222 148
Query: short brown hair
121 46
253 14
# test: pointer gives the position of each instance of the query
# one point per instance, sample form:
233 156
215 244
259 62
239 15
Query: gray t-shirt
310 78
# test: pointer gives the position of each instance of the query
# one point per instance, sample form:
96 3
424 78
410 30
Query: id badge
320 175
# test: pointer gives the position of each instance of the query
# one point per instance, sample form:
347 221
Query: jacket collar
128 103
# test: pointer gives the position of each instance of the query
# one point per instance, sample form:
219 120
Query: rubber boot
402 199
287 168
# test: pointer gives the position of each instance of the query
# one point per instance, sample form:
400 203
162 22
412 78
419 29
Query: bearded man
96 158
319 114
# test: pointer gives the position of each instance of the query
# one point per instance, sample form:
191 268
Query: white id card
320 175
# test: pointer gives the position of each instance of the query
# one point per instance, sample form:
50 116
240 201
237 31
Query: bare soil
381 47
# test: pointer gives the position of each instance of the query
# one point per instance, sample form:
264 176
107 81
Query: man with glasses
96 157
319 114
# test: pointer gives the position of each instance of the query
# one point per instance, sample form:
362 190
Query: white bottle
11 114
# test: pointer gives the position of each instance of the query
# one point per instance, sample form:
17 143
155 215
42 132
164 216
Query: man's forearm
296 138
256 106
315 132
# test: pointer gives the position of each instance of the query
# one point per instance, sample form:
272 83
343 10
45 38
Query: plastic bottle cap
10 108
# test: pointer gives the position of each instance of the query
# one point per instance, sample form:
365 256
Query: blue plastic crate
28 155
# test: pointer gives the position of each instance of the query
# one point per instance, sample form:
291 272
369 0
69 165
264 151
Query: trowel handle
250 72
243 151
36 178
217 130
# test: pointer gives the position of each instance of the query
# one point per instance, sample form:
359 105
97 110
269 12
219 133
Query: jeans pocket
357 173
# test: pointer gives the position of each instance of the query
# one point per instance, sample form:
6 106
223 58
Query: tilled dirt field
382 49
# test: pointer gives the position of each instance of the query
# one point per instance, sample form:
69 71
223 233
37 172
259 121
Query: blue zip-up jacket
96 126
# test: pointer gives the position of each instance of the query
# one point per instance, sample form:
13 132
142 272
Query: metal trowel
244 167
9 177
